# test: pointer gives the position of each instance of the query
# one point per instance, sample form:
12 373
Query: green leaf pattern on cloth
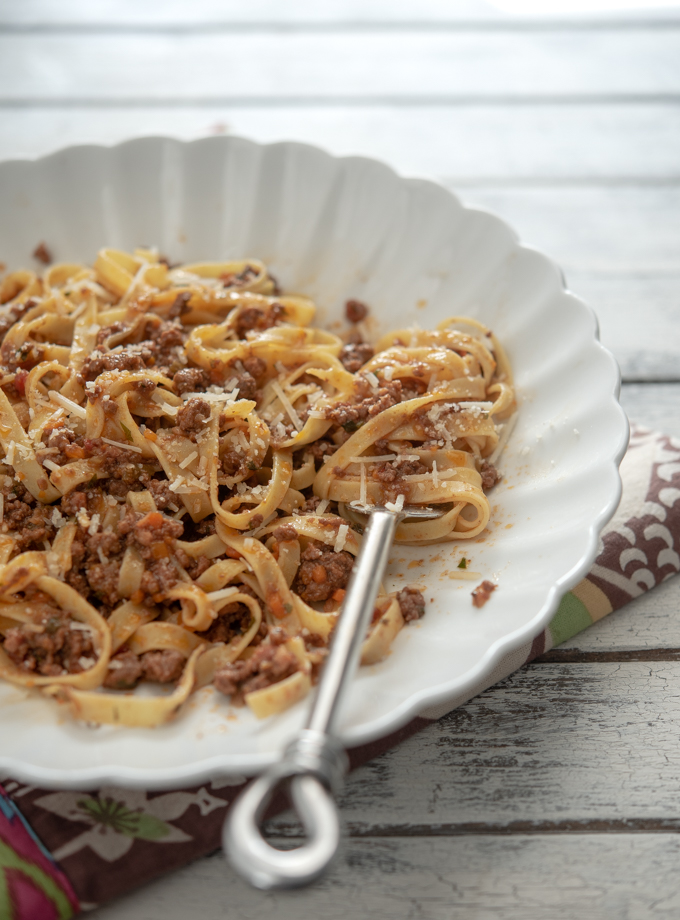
118 817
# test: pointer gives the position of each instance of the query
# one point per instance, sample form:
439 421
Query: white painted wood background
556 794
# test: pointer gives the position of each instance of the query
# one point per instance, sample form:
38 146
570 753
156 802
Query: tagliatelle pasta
184 455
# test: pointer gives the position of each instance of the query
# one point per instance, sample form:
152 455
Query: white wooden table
556 794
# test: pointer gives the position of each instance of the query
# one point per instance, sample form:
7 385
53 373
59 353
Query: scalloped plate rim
230 763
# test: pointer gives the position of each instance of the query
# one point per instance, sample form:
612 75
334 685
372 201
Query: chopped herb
126 431
288 608
463 563
252 465
352 425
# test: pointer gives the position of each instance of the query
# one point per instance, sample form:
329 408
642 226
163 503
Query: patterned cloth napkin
65 851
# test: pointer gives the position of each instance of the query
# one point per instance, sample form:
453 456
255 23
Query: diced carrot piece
319 574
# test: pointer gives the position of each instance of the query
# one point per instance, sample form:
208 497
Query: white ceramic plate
333 229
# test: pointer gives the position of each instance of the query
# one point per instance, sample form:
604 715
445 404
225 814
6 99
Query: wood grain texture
617 877
419 67
527 144
385 13
552 745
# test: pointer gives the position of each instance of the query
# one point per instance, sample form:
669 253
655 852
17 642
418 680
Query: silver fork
315 762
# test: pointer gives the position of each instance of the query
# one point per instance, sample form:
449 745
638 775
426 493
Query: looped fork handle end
315 765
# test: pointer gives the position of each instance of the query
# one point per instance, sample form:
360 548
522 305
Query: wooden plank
485 878
556 746
637 143
129 12
263 13
629 231
653 405
646 349
457 13
417 67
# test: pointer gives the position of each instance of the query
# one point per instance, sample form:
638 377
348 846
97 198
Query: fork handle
314 762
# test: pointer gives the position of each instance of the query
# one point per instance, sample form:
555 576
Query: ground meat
232 620
355 356
352 414
73 502
180 305
159 578
26 355
42 254
239 279
482 593
255 366
490 475
164 336
98 363
29 525
154 535
320 449
162 495
102 579
310 505
388 472
198 566
231 462
247 385
57 648
163 666
269 664
252 318
355 311
257 520
106 332
125 673
190 380
191 418
285 532
321 572
147 530
411 603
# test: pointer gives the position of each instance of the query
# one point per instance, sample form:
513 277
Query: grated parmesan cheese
287 404
435 478
187 460
343 530
132 447
94 524
67 404
80 627
58 519
372 379
221 594
362 490
321 507
396 506
376 459
51 465
9 457
388 372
